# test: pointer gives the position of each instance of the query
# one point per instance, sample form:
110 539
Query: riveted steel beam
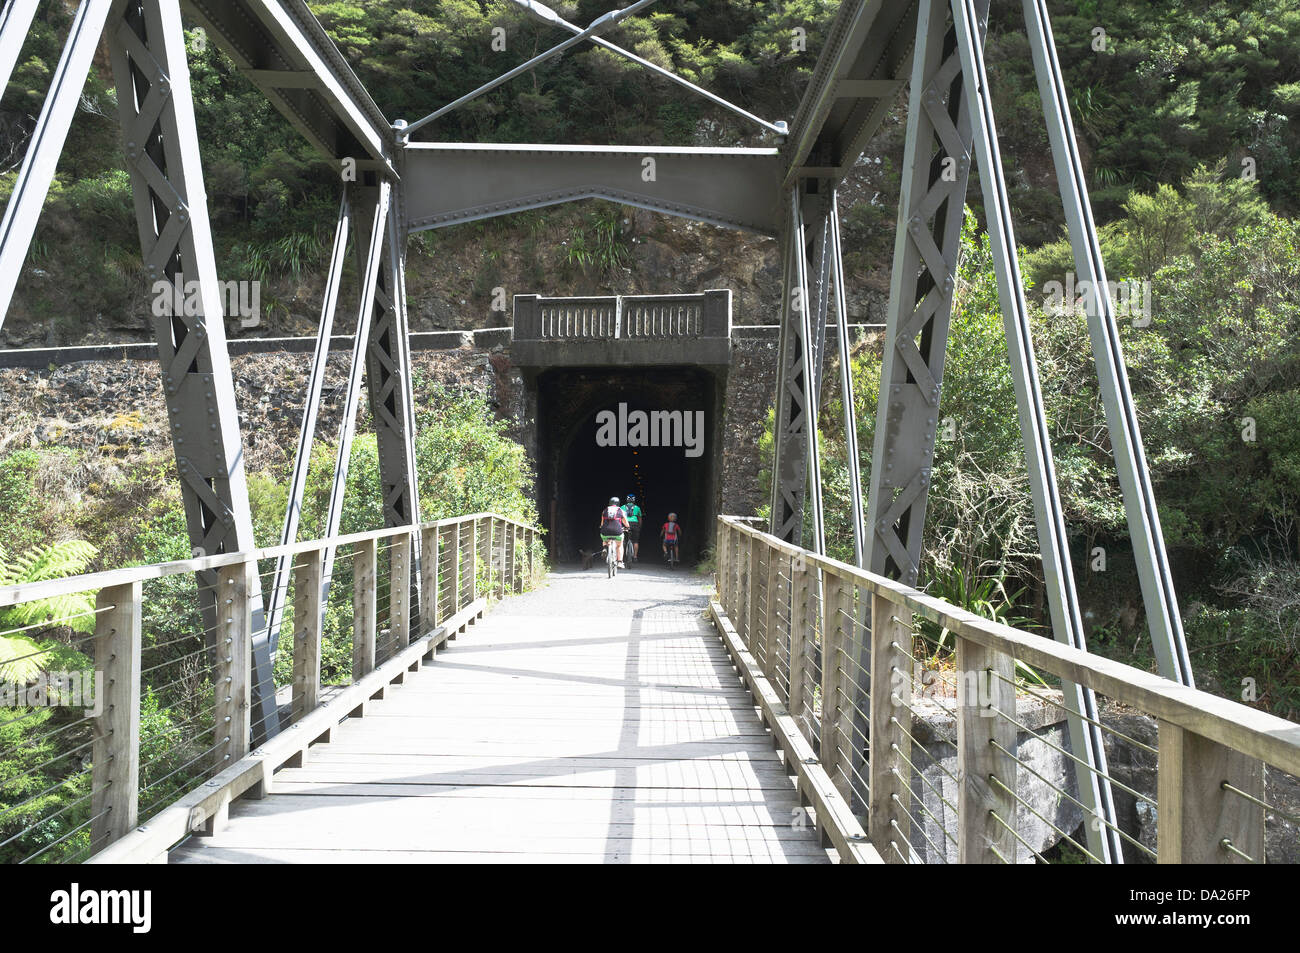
283 50
147 47
936 166
388 374
862 69
448 183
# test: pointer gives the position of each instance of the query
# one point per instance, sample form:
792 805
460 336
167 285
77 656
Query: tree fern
41 563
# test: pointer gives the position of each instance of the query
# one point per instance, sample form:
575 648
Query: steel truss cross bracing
147 46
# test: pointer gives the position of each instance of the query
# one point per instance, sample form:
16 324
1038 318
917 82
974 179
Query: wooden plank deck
591 721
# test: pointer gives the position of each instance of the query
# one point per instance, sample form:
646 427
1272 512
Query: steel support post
796 464
370 227
936 165
15 20
846 385
1067 624
148 53
307 435
1163 619
388 373
33 182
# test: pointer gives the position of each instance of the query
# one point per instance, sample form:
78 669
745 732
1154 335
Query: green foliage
466 459
22 657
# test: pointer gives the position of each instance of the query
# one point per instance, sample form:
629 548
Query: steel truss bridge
782 607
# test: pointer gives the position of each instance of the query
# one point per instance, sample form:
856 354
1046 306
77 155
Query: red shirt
670 531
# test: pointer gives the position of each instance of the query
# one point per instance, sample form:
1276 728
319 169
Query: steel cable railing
942 733
167 684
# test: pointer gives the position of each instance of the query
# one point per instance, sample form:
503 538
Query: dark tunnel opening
598 430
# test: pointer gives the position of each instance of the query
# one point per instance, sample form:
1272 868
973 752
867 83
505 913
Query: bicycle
611 558
670 549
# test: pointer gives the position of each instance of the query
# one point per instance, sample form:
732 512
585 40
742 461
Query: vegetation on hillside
467 463
1216 378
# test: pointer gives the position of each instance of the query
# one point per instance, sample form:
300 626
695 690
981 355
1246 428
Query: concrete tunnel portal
627 394
652 431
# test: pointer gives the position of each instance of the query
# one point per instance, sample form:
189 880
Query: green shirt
634 514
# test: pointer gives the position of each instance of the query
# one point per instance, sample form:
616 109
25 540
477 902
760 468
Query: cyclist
670 535
613 523
633 514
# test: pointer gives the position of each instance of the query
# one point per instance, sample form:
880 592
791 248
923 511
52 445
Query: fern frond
56 560
42 563
20 659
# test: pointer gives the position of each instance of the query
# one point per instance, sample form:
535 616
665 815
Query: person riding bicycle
670 534
633 514
613 523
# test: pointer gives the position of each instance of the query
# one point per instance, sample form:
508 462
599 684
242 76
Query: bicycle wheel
611 562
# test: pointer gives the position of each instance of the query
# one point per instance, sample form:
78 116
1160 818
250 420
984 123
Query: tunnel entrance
611 431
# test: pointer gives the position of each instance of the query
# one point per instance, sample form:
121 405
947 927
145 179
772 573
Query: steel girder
1067 624
33 182
860 73
448 183
1163 618
284 51
157 114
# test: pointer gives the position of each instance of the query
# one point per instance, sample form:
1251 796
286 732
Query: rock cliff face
117 409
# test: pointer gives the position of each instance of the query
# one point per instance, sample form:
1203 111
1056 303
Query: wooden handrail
500 548
1205 741
31 591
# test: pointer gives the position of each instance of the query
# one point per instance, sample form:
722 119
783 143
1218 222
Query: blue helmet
631 497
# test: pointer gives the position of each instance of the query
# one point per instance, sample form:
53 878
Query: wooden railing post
514 559
891 697
775 605
800 638
365 607
428 580
499 556
115 750
458 570
720 563
733 552
307 572
399 594
482 556
508 557
1198 817
986 774
758 620
232 673
835 639
743 619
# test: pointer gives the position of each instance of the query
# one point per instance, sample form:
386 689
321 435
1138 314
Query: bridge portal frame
791 192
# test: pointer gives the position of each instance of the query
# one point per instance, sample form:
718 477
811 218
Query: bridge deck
588 721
